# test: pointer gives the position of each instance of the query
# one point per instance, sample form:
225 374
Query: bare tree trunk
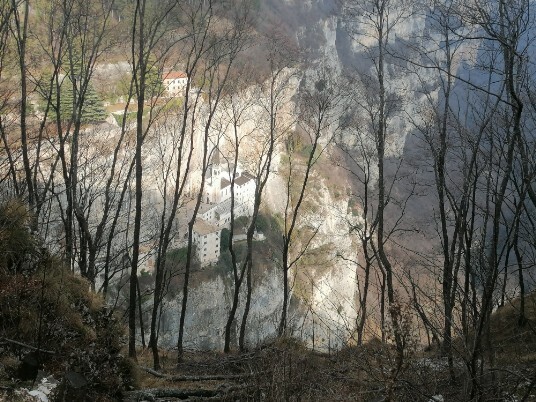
238 272
140 313
21 36
181 178
243 324
280 55
215 81
316 119
507 36
140 71
394 309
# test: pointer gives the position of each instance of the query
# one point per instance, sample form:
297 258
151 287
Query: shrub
51 308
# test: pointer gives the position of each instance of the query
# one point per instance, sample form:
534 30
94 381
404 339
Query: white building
214 212
218 186
174 82
244 191
206 237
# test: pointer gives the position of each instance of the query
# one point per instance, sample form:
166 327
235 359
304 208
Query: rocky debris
40 393
73 387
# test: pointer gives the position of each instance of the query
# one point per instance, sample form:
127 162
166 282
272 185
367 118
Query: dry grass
281 370
514 342
286 370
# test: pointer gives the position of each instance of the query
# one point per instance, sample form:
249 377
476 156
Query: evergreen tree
154 85
92 109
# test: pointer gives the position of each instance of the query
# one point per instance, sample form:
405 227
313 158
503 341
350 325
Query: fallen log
153 393
194 378
25 345
153 372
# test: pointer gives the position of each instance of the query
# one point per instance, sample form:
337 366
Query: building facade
174 82
214 212
206 238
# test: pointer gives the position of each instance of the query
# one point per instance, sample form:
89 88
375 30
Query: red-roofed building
174 82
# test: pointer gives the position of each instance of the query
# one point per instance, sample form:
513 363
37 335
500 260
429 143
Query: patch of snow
39 395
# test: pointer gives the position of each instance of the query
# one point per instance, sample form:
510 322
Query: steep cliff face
325 284
337 36
324 287
324 295
208 306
